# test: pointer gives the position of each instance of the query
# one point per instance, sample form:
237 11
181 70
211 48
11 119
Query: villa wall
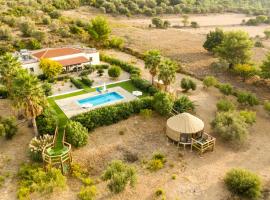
38 71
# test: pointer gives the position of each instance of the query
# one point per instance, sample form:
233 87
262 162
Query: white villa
72 58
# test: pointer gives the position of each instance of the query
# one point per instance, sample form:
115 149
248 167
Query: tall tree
50 68
167 72
9 67
265 68
99 30
235 48
152 60
28 96
213 39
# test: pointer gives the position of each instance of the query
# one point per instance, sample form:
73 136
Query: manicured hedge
143 85
113 114
124 65
87 81
77 83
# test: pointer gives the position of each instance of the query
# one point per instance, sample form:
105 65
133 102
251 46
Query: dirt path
12 154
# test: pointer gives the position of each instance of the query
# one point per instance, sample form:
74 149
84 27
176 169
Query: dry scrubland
197 178
185 44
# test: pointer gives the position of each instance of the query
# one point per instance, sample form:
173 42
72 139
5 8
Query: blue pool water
101 99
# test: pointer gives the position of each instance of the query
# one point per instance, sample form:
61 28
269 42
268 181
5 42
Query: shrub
116 42
124 65
225 105
55 14
159 192
112 114
36 146
146 113
143 85
188 84
39 35
114 71
27 28
214 39
77 83
183 104
5 33
100 72
47 121
244 183
3 93
245 70
231 126
76 134
249 116
157 22
157 162
267 106
194 25
33 178
119 175
247 98
8 127
87 193
209 81
33 44
46 20
163 103
47 87
87 81
225 88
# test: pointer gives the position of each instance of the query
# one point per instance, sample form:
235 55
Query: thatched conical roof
185 123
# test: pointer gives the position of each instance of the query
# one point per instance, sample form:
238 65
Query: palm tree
167 72
152 61
28 96
9 67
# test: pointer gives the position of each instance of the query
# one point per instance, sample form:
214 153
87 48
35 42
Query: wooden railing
208 143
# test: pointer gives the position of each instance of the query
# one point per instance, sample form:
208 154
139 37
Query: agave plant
36 146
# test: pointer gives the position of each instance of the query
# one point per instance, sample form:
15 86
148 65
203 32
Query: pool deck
71 107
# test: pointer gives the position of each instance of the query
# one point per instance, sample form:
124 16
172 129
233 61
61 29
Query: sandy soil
12 154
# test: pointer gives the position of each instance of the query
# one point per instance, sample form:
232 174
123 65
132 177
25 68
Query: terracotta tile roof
57 52
73 61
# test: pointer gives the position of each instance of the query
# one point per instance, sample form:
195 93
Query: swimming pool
101 99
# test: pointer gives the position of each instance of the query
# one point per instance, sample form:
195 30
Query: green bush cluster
249 116
225 105
112 114
144 85
3 93
244 183
225 88
8 127
231 126
247 98
183 104
114 71
163 103
260 19
210 81
37 145
119 175
124 65
33 178
76 82
267 106
157 162
76 134
86 81
188 84
47 121
159 23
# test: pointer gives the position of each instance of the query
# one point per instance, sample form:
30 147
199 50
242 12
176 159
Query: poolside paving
71 107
